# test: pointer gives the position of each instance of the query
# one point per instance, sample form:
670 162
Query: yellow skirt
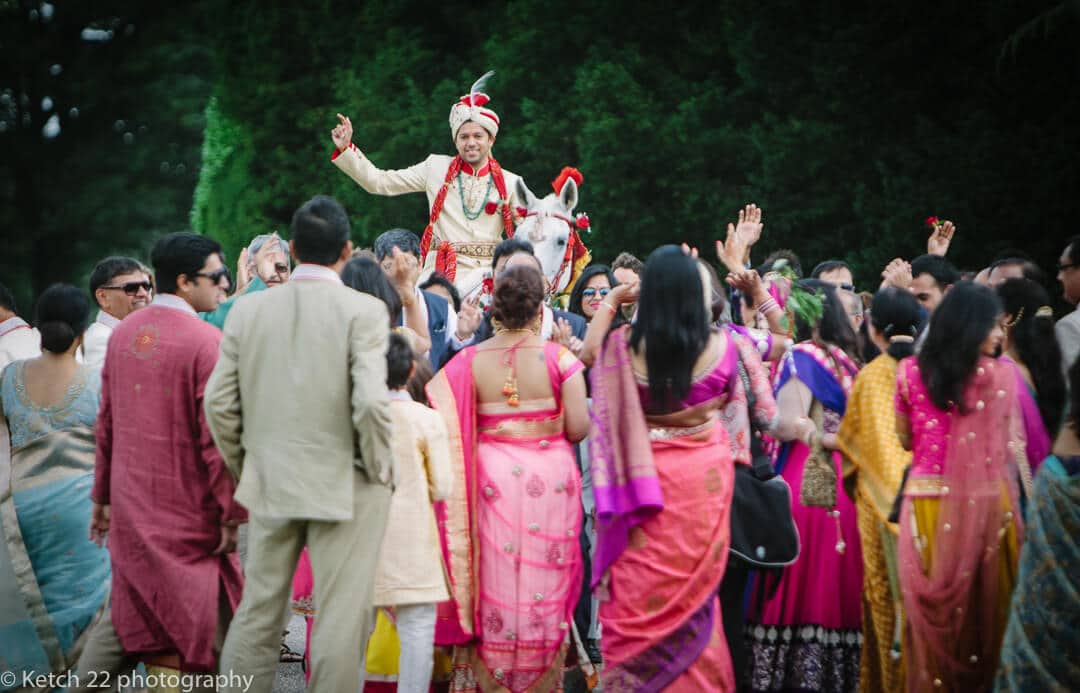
384 649
924 519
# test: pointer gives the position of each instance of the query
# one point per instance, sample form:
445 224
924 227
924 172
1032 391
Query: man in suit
1068 328
444 328
299 408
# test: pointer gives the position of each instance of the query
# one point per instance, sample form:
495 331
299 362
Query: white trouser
416 636
416 632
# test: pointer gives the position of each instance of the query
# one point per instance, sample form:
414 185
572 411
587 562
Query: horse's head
547 225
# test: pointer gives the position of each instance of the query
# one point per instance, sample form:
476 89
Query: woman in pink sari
1031 345
960 518
513 406
663 477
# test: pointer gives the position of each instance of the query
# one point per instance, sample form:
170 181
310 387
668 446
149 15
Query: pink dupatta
951 609
625 481
452 393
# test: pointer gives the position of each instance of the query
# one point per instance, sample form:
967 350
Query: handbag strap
760 461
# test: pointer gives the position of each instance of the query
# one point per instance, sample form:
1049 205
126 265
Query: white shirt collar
108 320
400 396
305 271
12 324
173 302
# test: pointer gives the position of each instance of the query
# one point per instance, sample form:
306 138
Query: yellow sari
874 463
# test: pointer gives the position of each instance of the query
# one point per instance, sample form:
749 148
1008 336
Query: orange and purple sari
510 532
663 486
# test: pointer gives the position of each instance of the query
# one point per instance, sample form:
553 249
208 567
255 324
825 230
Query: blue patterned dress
53 580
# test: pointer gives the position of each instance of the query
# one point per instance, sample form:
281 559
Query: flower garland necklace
469 214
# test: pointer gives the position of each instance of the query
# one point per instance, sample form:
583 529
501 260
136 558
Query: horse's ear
525 198
568 195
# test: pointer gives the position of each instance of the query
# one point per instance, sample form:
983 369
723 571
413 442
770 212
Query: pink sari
511 533
663 489
956 607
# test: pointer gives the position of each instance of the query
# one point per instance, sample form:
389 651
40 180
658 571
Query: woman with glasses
52 580
592 287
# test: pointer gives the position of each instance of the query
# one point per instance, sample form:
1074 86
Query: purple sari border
659 666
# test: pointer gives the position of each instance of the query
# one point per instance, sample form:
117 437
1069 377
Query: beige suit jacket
298 399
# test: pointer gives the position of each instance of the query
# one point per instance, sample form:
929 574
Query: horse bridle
567 256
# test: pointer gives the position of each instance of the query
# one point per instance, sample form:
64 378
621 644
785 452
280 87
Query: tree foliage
849 123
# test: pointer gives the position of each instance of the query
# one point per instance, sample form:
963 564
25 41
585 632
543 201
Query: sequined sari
510 532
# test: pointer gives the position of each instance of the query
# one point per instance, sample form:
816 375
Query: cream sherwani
474 240
18 341
410 567
299 409
96 339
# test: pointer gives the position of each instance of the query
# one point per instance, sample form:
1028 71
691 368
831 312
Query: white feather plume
479 84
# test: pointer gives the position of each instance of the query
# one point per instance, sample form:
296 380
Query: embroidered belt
475 249
667 433
926 486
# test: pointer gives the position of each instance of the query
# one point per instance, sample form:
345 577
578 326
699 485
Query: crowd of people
695 477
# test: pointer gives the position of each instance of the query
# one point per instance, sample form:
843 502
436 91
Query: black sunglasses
1066 266
131 288
216 276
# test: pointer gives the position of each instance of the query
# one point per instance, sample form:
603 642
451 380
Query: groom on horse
472 199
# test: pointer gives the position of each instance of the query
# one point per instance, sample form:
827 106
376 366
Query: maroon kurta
158 468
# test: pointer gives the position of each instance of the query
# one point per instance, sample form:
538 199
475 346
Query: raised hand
469 318
342 134
750 284
750 224
940 238
692 252
403 273
897 273
562 333
243 271
627 292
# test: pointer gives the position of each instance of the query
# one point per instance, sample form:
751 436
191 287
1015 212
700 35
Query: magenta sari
510 532
808 635
663 486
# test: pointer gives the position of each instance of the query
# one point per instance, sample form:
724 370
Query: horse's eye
562 241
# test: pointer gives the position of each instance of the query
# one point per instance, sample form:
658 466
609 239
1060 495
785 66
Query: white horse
548 224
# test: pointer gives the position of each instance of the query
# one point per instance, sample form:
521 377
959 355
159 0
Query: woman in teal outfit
53 581
1039 652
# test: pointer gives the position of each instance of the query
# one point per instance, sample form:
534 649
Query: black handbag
763 531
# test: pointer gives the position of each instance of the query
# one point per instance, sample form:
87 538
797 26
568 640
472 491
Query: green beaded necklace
469 214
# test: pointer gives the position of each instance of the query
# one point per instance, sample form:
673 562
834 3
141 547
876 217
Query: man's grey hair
259 241
405 240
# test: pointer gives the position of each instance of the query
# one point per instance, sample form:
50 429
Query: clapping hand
897 273
469 318
563 334
404 271
342 134
750 284
940 238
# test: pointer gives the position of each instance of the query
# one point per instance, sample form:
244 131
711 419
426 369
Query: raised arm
601 322
376 181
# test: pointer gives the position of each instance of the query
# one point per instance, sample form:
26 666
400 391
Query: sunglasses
216 276
590 292
848 287
1066 266
131 288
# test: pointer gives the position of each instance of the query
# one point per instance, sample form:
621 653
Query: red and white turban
471 107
